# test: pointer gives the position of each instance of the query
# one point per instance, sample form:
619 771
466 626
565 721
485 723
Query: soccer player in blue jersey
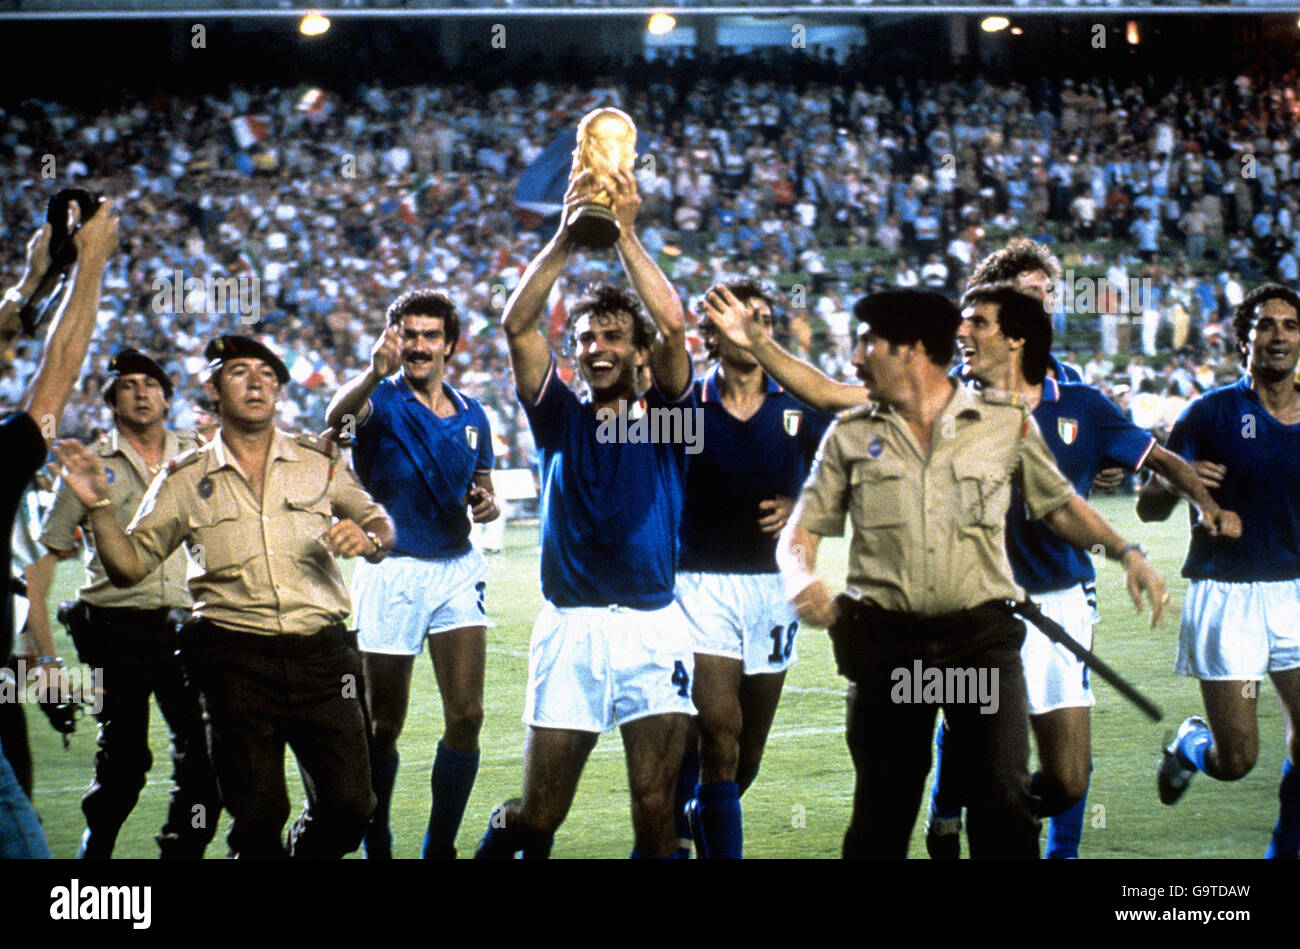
758 444
1005 340
1241 619
611 647
426 449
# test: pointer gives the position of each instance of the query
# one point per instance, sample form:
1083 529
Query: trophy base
593 226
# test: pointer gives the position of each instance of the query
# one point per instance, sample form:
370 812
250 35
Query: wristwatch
1128 548
374 539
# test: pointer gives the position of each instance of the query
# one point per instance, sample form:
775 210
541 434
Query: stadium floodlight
993 24
1131 33
313 24
661 23
1017 31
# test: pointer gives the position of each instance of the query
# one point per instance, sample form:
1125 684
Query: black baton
1057 634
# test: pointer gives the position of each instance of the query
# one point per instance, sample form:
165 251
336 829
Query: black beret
243 347
129 362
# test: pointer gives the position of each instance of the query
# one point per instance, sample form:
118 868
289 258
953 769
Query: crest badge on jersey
1068 429
791 420
471 437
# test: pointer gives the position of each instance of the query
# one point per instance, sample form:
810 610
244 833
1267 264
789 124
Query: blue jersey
420 466
611 503
1230 427
1085 432
741 464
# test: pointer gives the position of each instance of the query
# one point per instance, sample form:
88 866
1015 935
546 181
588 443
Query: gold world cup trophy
606 141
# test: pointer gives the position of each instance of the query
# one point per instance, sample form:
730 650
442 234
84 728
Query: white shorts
401 600
1239 630
1053 676
741 616
592 668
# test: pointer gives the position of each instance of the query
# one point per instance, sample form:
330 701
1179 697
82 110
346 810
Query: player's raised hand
386 354
815 605
1221 523
96 240
83 472
482 504
734 320
583 189
773 513
1210 473
626 199
1140 576
347 539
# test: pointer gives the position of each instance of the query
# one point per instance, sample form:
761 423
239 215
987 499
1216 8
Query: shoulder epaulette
102 445
323 445
864 410
183 459
188 439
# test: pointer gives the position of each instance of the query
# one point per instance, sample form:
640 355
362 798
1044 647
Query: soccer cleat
692 813
1173 776
943 837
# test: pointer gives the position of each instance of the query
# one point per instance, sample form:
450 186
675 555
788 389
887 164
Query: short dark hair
1020 316
744 290
1243 318
603 299
1021 255
427 302
912 316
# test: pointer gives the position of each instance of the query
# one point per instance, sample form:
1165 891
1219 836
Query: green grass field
800 804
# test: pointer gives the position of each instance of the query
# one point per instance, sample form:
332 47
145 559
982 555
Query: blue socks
1064 831
1193 747
945 800
720 823
451 781
1286 834
379 838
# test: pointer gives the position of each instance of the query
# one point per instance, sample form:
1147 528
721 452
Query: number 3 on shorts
681 678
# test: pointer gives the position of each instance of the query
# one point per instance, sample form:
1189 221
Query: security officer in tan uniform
267 648
925 475
126 635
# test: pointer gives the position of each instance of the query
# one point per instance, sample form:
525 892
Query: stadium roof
41 9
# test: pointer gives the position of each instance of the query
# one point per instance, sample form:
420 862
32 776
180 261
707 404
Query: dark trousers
134 653
263 692
889 733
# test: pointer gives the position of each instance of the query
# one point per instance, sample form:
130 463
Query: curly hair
433 303
1243 318
743 289
1021 255
603 299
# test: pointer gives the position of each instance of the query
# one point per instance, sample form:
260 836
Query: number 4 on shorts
681 678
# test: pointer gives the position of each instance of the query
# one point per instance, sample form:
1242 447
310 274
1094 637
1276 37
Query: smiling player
1241 620
424 451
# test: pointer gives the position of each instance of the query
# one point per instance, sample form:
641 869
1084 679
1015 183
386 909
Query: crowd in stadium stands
1182 197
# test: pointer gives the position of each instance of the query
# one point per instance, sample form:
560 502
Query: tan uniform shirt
929 533
261 566
128 480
